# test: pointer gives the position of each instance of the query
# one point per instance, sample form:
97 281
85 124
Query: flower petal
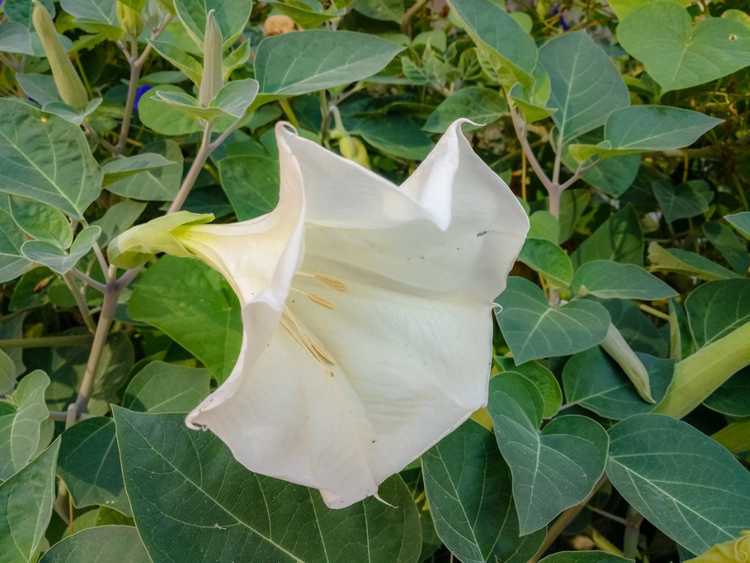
453 226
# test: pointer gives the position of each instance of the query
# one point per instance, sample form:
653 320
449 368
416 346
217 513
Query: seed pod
213 50
354 149
129 18
67 81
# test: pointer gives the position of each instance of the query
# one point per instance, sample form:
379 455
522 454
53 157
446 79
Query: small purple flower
563 23
142 89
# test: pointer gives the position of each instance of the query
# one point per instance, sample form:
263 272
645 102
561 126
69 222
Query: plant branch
88 280
410 13
46 341
632 533
519 127
200 159
80 299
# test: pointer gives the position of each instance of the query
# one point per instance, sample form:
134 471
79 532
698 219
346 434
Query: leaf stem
80 299
46 341
632 533
200 159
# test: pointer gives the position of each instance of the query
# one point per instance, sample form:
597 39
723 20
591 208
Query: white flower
366 313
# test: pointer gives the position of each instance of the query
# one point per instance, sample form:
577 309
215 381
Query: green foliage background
621 125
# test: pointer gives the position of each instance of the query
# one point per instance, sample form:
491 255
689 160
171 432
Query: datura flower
735 551
366 310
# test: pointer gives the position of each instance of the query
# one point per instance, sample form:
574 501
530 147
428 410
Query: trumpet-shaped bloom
366 312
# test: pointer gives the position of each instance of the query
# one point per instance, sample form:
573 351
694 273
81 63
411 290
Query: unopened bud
67 81
213 50
621 352
354 149
129 18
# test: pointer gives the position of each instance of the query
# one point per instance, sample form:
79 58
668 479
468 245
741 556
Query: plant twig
410 13
46 341
632 533
200 159
80 299
88 280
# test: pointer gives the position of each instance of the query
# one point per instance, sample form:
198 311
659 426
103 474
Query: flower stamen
329 281
315 298
301 336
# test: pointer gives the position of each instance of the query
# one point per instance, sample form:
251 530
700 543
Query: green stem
632 533
46 341
701 373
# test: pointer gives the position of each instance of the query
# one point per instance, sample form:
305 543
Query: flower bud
67 81
129 18
212 79
354 149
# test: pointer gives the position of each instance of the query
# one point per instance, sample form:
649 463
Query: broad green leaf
69 114
21 430
639 129
731 399
102 544
161 388
686 200
608 279
98 11
181 58
680 480
613 176
493 29
481 105
40 221
157 183
231 16
730 246
235 97
12 327
552 469
39 87
386 10
586 86
168 468
685 262
123 167
57 259
118 218
717 308
741 222
468 487
542 378
573 204
534 330
12 262
298 63
26 507
307 14
161 117
46 158
399 136
592 380
548 259
7 374
90 465
249 176
194 306
683 54
20 10
619 239
583 557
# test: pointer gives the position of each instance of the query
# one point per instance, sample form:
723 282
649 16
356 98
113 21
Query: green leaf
607 279
741 222
717 308
26 507
639 129
161 117
619 239
90 465
573 204
399 136
548 259
493 29
195 307
613 176
21 433
680 480
636 327
249 176
7 373
583 557
246 516
731 398
552 469
99 11
55 258
101 544
12 262
161 388
157 183
729 245
308 13
586 86
468 487
231 16
40 221
124 167
482 105
118 219
682 54
46 158
592 380
39 87
534 330
298 63
69 114
542 378
385 10
235 97
686 200
685 262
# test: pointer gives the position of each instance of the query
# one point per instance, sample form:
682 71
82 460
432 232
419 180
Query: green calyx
213 78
